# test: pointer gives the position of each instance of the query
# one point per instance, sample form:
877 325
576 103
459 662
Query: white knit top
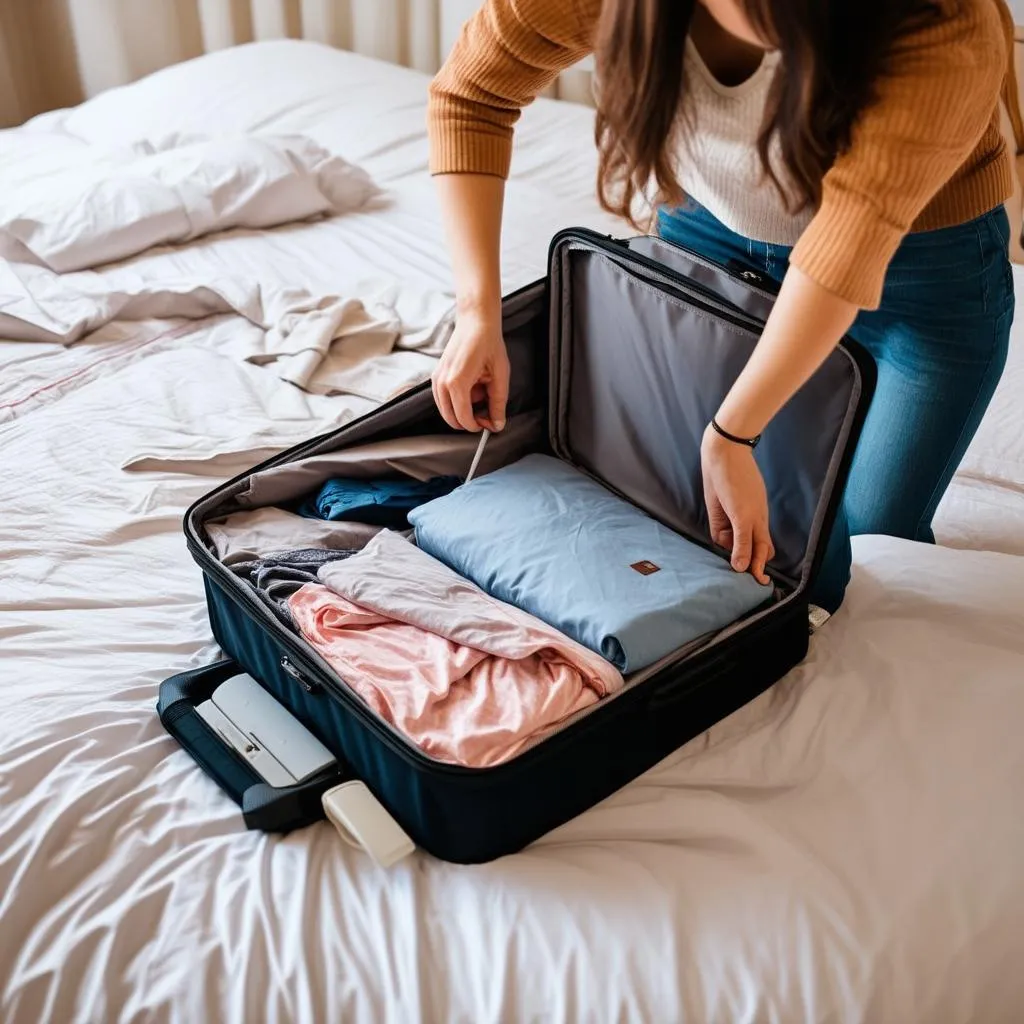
718 163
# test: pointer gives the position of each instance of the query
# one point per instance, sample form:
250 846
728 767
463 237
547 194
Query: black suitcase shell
628 346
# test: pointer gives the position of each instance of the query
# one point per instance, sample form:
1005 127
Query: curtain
38 62
16 80
54 53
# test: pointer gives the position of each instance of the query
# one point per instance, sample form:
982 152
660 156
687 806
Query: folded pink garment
469 679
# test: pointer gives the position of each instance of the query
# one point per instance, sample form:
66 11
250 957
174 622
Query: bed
845 848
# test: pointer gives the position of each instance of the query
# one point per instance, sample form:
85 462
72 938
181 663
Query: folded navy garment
542 536
375 502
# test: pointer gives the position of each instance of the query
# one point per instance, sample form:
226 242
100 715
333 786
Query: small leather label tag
645 568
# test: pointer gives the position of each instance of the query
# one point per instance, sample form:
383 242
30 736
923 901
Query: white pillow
120 203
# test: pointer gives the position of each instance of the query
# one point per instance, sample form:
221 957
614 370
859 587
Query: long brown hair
833 54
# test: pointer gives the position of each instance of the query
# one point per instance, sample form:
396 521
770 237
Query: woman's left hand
737 504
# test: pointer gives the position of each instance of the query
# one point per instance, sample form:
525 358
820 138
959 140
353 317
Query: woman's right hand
473 374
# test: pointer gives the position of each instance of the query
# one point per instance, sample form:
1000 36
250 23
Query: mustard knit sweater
928 154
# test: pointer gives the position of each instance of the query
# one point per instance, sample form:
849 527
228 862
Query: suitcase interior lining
638 375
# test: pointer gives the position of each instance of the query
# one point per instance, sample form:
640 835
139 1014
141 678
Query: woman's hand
737 504
806 324
473 372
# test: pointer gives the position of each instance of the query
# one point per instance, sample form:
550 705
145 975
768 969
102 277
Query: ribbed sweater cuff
847 248
458 150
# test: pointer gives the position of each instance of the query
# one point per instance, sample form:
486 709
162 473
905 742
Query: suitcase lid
646 339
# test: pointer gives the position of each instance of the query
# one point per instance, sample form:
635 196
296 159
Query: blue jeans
939 339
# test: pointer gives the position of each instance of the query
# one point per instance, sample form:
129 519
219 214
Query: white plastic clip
484 437
364 823
817 617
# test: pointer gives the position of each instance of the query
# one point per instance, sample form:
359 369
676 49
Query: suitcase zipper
752 279
690 291
307 685
714 307
667 277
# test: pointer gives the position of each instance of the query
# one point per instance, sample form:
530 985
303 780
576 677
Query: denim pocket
998 223
1001 297
952 274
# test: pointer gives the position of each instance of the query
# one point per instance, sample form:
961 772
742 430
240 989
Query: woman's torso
900 179
718 164
717 159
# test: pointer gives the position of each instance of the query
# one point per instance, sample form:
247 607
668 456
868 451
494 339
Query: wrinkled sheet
326 344
61 231
846 848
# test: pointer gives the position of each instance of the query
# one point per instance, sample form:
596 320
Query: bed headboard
57 52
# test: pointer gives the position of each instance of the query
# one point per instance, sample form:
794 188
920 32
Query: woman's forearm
805 325
471 207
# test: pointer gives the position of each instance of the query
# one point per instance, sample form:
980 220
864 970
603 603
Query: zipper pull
752 277
482 444
309 687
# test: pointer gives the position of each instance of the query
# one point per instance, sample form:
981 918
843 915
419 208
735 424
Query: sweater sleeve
933 107
507 54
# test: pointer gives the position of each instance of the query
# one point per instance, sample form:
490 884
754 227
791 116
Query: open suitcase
619 359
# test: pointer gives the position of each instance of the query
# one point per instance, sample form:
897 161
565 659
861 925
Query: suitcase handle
264 807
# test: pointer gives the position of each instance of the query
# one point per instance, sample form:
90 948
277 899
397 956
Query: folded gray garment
278 575
419 458
249 536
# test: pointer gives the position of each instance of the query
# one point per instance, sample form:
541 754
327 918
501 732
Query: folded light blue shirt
543 536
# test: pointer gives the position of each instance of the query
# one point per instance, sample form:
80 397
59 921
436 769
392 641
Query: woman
848 148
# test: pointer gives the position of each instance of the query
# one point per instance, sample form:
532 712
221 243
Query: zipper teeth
701 298
717 267
676 286
735 316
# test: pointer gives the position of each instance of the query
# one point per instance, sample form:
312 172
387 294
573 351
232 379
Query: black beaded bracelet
750 442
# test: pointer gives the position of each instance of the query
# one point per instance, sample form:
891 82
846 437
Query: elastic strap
750 442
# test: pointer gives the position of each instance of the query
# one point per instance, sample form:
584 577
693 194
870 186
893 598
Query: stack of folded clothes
469 679
522 599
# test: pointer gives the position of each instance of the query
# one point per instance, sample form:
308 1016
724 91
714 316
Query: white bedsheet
846 848
370 112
